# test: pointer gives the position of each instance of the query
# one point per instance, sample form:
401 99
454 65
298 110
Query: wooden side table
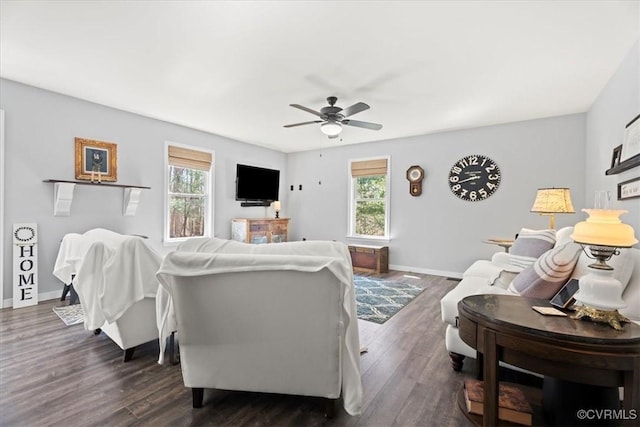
503 243
505 328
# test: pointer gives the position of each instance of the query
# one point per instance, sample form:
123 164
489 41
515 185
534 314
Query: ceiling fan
332 117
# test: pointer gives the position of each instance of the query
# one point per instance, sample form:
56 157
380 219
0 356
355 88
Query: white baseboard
45 296
443 273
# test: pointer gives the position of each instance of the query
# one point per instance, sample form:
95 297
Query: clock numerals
474 178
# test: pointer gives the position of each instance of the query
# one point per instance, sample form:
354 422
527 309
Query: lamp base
612 317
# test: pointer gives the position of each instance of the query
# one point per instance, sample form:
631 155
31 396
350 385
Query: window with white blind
189 193
369 208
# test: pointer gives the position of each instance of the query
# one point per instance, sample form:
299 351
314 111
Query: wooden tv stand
260 230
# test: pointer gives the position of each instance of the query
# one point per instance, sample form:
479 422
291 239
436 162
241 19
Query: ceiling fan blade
366 125
308 110
355 108
303 123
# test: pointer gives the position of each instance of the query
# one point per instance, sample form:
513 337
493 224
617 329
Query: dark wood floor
51 374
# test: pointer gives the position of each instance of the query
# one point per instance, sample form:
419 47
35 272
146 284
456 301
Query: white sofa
494 277
277 318
114 277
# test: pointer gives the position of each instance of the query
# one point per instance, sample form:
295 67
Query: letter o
26 261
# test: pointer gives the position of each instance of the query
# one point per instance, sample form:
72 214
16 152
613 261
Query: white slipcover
292 271
114 276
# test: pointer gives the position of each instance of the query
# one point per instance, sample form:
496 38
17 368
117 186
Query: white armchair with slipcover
114 277
277 318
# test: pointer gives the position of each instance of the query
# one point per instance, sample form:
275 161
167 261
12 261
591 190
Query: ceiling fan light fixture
331 128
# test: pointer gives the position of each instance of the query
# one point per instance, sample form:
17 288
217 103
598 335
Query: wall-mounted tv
256 186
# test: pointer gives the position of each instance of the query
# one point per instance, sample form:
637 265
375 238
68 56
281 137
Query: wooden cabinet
260 230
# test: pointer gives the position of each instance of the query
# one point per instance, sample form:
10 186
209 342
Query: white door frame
2 176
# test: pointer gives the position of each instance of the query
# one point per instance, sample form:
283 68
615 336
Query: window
188 208
369 198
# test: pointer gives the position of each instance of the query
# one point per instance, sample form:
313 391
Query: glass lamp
600 293
550 201
331 128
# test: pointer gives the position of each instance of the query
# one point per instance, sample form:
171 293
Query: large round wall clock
474 178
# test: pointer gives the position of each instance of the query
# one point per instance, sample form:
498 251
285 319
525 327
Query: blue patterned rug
379 299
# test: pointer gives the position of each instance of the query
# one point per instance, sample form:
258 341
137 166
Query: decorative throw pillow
548 273
564 236
529 245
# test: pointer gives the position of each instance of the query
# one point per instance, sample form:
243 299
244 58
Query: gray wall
617 105
437 232
40 127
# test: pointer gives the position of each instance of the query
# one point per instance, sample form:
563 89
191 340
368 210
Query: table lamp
276 207
600 293
550 201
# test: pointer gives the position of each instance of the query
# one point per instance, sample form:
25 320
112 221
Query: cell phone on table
564 297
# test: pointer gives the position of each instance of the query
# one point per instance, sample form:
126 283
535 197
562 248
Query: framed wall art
96 160
631 141
629 189
617 154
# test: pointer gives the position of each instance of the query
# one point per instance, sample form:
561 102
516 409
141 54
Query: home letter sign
25 265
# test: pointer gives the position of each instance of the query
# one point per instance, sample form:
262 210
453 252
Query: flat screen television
254 184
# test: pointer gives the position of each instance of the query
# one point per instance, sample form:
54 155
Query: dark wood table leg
490 417
479 366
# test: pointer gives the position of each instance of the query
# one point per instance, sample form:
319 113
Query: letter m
26 280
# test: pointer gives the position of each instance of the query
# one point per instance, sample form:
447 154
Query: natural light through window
189 195
369 213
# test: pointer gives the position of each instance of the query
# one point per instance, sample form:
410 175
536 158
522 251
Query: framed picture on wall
631 141
617 154
96 160
629 189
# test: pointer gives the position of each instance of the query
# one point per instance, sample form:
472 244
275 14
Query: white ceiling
232 68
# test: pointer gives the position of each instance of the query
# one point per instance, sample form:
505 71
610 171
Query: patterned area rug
379 299
70 314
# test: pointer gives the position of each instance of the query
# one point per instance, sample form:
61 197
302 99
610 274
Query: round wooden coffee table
506 328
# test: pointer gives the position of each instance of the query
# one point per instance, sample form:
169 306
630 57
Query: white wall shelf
63 195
